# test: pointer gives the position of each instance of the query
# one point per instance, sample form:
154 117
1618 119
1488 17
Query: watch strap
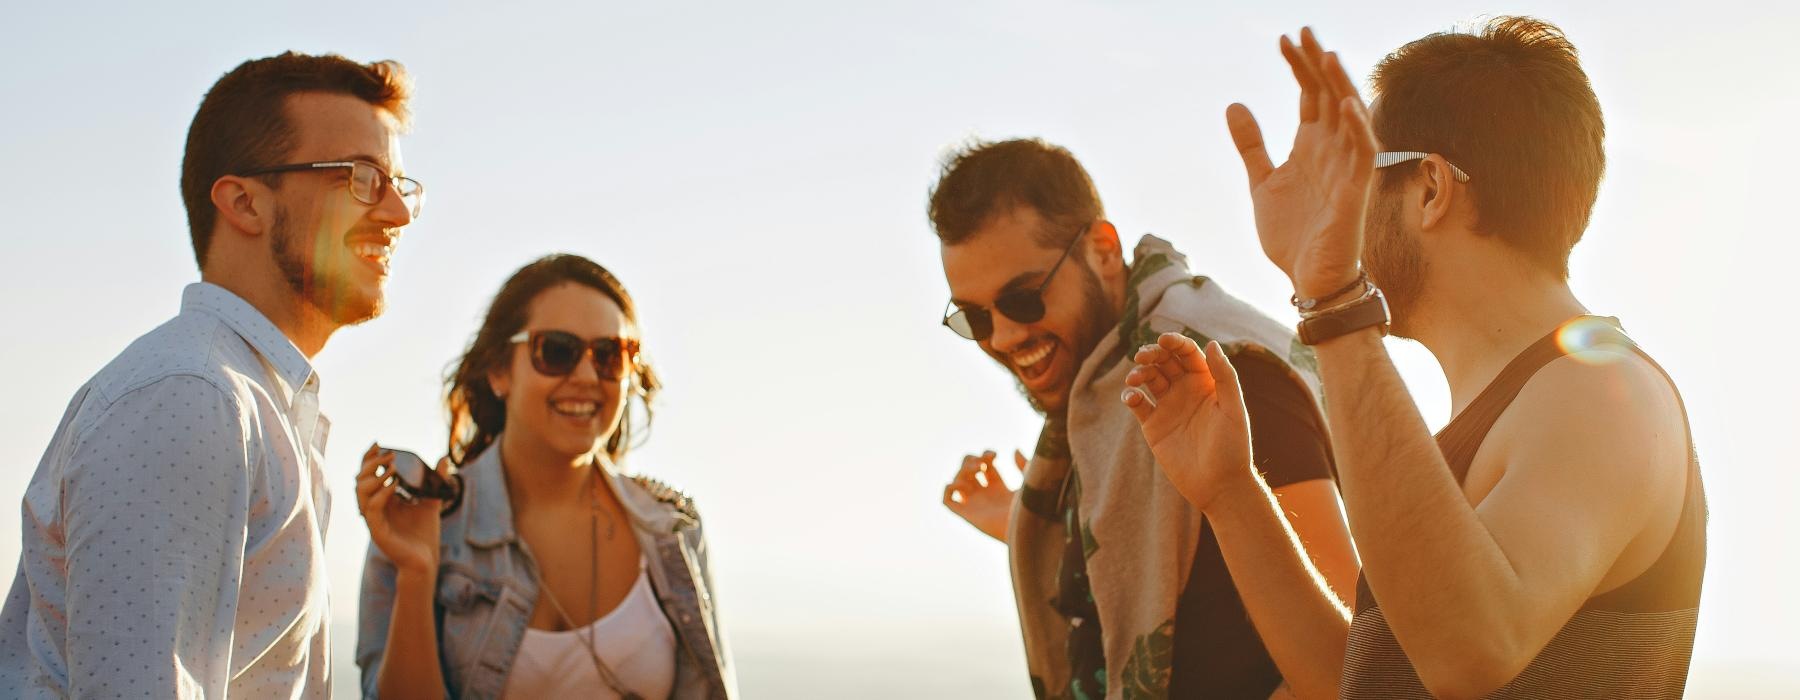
1364 313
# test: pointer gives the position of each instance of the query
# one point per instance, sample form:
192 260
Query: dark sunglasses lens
556 353
974 325
1023 306
609 358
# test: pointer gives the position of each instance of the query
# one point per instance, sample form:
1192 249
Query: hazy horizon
757 177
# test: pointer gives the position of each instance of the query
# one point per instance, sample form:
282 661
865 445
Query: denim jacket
486 590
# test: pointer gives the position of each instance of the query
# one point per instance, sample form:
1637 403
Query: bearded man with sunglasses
1119 582
173 539
1550 540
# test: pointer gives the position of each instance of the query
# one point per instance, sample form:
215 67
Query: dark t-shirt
1217 652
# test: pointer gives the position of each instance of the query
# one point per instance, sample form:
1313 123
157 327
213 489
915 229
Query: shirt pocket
468 615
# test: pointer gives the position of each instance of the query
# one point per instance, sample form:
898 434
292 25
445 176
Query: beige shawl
1137 533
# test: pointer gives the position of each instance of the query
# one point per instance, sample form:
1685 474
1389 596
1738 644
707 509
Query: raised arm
1578 487
1574 492
1290 448
1200 434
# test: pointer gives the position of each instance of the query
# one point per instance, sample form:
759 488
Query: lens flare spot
1592 341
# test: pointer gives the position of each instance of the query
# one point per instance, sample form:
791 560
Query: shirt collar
255 328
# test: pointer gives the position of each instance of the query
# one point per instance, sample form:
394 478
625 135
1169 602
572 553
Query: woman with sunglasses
556 576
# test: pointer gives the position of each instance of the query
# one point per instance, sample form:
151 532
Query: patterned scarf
1101 542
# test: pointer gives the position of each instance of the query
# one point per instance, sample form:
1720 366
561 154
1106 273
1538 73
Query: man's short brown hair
1511 106
986 179
242 123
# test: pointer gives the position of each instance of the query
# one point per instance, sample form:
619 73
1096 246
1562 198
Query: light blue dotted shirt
174 530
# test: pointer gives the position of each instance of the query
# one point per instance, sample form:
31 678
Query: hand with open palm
1191 411
1310 211
978 495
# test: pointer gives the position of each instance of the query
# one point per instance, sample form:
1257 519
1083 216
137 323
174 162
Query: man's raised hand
1310 211
1196 425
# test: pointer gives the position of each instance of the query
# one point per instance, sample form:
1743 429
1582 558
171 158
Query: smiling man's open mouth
1034 361
377 251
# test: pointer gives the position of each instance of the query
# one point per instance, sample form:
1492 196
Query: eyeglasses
558 353
1391 158
1022 306
367 181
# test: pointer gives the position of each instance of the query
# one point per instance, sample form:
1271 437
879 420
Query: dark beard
1395 262
331 297
1097 322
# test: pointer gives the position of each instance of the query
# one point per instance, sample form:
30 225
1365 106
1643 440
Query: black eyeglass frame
626 349
1027 305
406 187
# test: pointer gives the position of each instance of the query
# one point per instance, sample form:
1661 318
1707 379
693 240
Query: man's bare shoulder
1602 419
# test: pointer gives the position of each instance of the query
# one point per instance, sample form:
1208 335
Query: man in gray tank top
1549 542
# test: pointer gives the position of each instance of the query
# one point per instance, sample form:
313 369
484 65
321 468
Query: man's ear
245 205
1104 246
1442 192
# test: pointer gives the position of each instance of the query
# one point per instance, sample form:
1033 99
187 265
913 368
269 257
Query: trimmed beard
1395 261
1096 321
333 297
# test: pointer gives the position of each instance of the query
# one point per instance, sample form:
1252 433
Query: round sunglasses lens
971 325
1023 307
555 354
959 322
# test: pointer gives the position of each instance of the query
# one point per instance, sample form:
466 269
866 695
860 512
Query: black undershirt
1217 652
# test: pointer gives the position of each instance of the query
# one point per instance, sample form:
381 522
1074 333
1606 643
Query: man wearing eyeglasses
174 531
1119 584
1550 541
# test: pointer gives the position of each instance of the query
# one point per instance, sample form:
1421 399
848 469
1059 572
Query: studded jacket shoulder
665 493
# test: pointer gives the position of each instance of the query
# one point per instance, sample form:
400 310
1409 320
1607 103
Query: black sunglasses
558 353
1021 305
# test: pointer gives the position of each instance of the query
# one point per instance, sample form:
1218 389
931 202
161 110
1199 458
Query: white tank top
635 640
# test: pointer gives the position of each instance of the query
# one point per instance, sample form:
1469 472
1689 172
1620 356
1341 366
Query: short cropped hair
987 179
243 124
1511 106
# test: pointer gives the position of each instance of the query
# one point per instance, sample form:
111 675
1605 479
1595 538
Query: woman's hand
1196 425
407 533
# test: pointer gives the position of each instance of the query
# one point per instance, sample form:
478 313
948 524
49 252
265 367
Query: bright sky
757 172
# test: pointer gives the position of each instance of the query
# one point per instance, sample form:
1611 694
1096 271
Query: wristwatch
1371 310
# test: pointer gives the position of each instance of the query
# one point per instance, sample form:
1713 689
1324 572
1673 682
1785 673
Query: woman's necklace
605 672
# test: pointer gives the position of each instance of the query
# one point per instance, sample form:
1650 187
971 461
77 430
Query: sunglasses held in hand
416 481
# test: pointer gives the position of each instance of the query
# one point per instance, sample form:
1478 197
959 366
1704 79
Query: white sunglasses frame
1391 158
